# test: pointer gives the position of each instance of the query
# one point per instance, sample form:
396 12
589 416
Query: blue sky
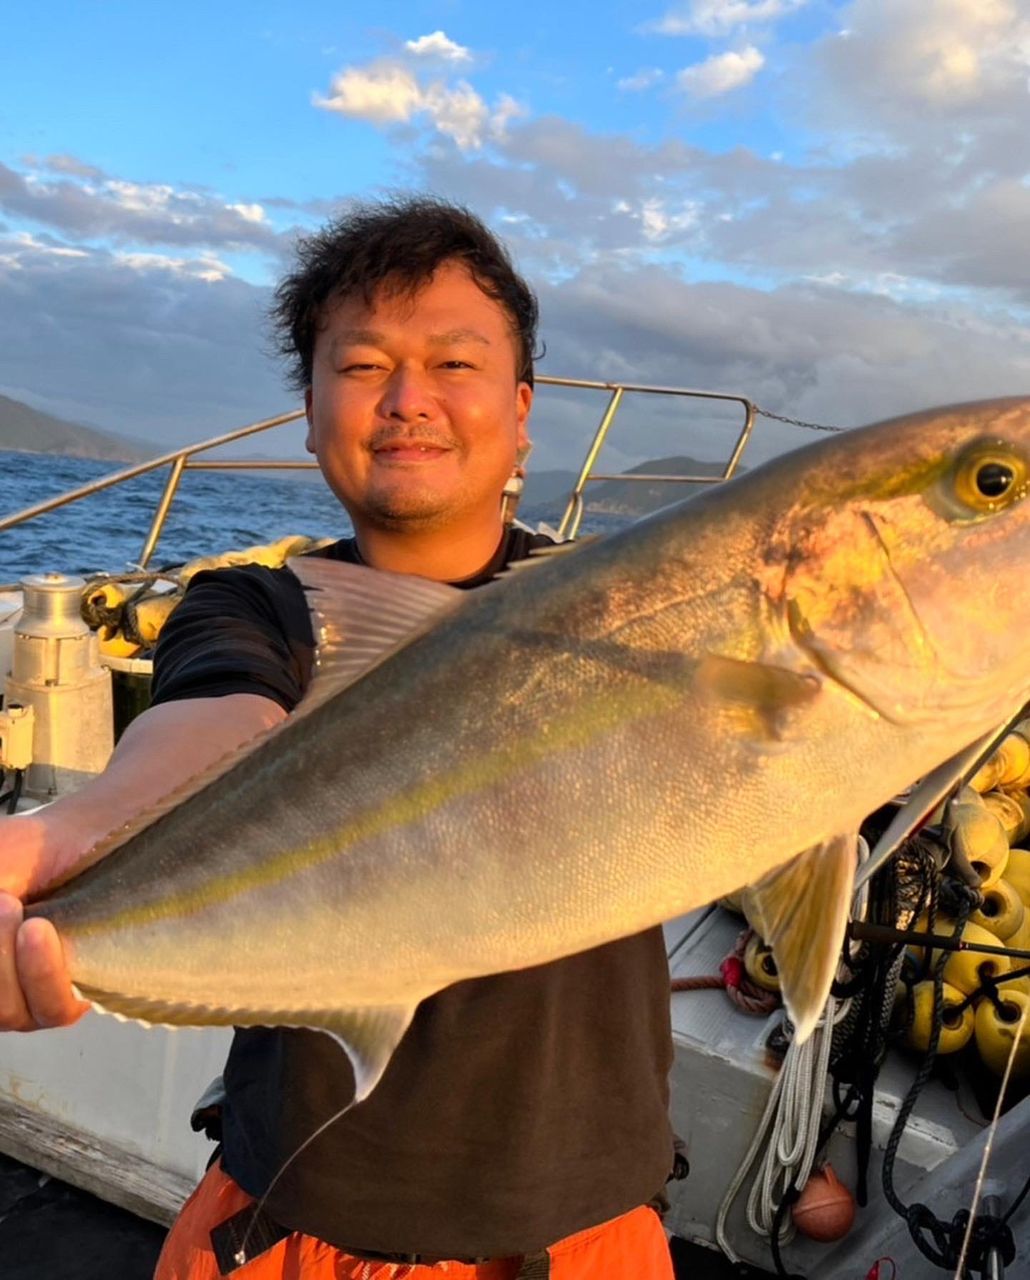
820 204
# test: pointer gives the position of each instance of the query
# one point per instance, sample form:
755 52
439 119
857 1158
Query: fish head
899 564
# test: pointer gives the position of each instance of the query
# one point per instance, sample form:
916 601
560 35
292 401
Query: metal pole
157 524
570 521
129 473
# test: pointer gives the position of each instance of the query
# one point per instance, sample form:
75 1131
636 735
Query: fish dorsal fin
368 1035
801 910
360 616
123 833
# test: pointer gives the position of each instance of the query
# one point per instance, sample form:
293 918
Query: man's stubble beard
415 512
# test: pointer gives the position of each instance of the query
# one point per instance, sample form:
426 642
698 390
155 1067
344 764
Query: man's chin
412 511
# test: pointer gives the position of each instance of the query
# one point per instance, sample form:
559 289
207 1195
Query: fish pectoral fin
368 1037
360 616
801 910
771 698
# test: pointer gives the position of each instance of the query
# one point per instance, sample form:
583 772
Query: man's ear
523 404
309 439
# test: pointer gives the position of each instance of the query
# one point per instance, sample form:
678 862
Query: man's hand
160 750
35 990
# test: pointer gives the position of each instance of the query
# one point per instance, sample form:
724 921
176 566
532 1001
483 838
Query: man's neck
445 555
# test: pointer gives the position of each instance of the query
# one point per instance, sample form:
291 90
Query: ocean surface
213 512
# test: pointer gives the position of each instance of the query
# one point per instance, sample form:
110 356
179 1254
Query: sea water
212 512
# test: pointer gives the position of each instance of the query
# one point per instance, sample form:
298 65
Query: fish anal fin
360 616
772 698
801 910
368 1035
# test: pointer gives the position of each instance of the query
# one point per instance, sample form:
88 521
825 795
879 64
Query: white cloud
249 212
203 268
384 92
438 45
387 92
458 112
507 110
720 17
645 79
901 55
721 73
83 203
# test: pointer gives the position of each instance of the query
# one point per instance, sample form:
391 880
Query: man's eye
456 364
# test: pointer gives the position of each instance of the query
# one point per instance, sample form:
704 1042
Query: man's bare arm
161 749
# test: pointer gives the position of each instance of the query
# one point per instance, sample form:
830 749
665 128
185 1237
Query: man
520 1128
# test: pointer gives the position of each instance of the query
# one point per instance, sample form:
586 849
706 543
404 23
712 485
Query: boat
105 1105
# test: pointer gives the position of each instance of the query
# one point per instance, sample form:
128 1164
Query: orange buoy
825 1209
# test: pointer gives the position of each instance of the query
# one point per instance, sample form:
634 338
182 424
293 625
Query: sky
823 206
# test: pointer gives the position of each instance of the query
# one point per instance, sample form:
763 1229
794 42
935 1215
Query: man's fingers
14 1013
44 976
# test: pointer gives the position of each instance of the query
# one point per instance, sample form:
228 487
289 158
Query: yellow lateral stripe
590 721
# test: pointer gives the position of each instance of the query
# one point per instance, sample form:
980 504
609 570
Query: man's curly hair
399 243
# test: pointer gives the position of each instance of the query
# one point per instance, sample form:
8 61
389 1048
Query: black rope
11 798
1018 1200
941 1242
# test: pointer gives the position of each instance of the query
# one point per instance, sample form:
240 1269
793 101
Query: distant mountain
27 430
637 497
548 488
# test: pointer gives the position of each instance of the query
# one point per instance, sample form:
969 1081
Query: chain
797 422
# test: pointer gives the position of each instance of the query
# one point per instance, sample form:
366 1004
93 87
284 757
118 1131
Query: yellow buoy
1008 766
1013 811
1001 911
760 965
997 1029
956 1026
963 970
1017 873
966 970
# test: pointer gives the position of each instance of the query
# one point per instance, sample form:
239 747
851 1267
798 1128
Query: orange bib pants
631 1247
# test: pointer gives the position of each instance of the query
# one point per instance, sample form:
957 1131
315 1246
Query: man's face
414 410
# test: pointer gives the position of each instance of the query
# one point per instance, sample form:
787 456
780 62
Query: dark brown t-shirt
517 1109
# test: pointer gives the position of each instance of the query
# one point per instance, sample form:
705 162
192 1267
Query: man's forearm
162 749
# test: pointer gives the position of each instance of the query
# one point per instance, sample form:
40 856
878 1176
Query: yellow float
956 1025
997 1029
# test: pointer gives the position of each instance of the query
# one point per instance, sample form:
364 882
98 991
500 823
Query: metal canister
56 669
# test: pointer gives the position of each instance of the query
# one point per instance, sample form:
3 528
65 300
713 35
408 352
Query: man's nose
407 396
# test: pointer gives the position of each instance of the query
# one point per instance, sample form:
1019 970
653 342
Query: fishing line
259 1207
989 1146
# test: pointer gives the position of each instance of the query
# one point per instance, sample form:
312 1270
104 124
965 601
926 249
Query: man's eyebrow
359 337
458 335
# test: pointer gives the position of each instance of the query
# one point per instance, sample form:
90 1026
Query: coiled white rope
792 1119
793 1114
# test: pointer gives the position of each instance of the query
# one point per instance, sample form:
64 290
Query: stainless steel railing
179 460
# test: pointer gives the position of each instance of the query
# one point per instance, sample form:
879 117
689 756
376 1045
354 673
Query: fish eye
992 479
989 476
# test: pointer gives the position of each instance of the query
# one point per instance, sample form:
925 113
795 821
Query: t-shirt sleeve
239 630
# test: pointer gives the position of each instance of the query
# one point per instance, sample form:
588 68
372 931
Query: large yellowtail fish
479 782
